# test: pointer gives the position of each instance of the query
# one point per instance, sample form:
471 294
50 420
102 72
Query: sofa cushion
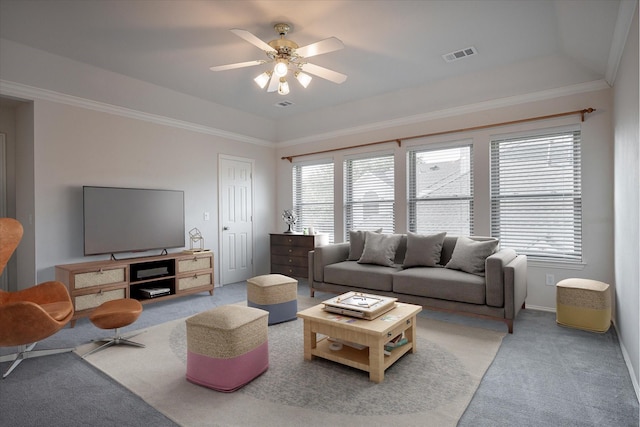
469 255
379 248
423 250
365 276
440 283
356 243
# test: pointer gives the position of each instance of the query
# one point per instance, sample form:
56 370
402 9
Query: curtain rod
399 140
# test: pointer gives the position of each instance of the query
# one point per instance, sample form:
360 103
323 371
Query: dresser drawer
99 277
194 281
85 302
289 270
290 250
194 263
293 240
298 261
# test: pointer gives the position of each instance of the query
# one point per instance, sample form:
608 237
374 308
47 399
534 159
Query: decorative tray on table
360 305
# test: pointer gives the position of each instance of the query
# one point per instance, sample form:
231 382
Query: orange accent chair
29 315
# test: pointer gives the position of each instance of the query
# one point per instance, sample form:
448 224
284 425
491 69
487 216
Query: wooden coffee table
373 334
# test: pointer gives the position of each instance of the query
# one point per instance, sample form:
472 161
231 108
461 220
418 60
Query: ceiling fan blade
273 83
252 39
236 65
325 73
323 46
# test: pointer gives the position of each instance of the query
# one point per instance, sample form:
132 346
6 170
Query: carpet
431 387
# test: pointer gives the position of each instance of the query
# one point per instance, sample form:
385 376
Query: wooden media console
148 279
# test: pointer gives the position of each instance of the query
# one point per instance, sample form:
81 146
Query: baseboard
627 362
540 308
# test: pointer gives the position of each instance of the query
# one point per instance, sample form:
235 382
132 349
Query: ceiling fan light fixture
283 87
303 78
284 54
280 69
263 79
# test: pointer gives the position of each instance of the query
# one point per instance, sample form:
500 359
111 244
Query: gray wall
627 202
77 146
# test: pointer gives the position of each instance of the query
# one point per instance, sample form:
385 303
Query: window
536 196
369 193
441 191
313 197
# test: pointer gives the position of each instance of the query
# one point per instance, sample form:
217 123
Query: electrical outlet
550 280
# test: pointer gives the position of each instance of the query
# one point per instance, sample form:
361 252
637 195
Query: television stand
93 283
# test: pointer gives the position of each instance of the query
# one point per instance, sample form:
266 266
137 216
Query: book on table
395 342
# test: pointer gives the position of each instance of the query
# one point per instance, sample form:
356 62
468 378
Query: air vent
459 54
283 104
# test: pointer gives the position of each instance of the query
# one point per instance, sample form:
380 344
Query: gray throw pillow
380 248
423 250
356 243
469 255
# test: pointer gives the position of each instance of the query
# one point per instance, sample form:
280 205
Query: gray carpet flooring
543 375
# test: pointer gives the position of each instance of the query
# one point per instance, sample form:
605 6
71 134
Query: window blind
536 195
313 197
369 194
441 190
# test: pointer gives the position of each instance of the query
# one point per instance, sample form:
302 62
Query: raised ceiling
390 46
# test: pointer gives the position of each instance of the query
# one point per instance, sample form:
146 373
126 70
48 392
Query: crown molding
620 34
31 93
454 111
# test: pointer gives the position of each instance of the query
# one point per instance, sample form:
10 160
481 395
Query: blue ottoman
275 293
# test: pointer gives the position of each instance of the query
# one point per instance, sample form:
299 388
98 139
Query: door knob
225 228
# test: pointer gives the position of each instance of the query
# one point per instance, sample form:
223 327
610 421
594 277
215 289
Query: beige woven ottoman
227 347
583 304
275 293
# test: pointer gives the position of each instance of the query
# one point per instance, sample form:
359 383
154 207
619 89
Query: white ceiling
390 46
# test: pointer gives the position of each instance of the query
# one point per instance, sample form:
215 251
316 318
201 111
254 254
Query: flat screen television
118 220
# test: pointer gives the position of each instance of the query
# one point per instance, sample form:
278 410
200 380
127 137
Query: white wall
597 175
627 202
76 146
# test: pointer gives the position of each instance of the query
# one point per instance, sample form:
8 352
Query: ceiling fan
287 56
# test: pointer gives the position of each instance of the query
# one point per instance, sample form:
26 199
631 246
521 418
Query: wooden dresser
289 252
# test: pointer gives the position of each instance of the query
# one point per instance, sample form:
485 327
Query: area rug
431 387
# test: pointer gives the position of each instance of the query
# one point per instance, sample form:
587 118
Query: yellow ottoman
583 304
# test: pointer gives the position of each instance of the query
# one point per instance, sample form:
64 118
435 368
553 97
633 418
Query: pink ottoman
227 347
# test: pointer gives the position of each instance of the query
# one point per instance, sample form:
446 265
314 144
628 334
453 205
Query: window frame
413 200
326 227
572 231
348 206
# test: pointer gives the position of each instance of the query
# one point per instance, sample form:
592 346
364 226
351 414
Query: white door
235 177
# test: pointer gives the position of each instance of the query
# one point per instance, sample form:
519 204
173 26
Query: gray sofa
497 294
